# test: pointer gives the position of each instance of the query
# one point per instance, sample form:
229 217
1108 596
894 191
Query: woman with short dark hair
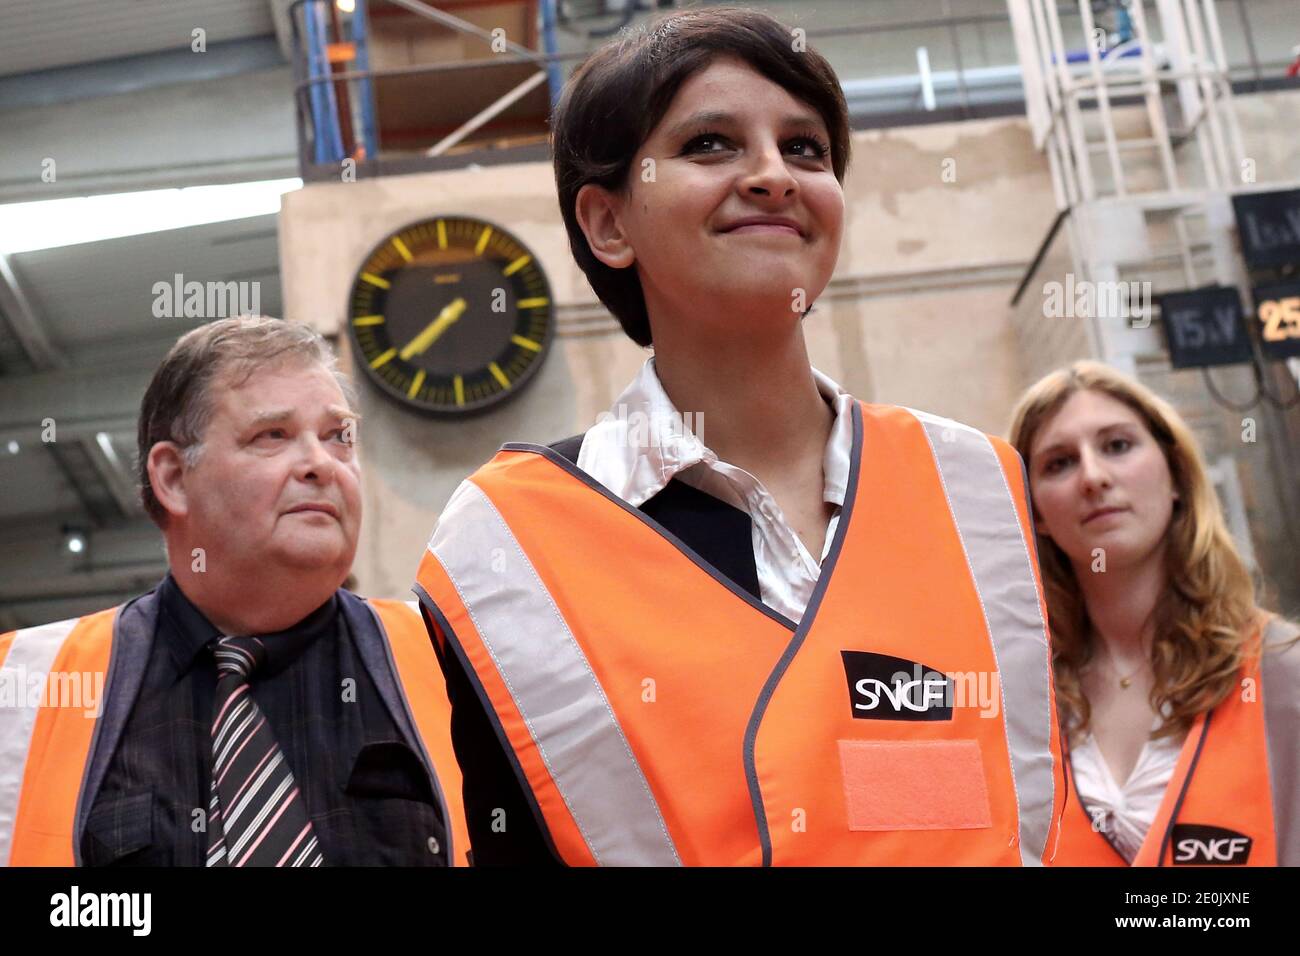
614 101
816 639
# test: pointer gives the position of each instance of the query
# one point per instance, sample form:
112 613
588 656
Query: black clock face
451 315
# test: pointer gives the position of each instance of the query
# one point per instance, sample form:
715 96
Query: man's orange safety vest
1234 796
47 739
658 714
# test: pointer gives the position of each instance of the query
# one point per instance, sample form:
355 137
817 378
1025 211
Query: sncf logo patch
893 688
1197 845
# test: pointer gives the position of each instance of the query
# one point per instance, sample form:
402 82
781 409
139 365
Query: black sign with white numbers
1277 318
1269 227
1205 327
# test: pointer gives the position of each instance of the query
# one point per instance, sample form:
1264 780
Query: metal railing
335 106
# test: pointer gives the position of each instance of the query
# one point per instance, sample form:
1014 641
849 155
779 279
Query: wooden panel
414 112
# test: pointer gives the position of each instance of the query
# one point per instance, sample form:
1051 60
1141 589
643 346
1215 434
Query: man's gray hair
178 404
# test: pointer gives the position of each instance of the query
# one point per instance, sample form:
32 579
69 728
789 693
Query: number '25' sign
1277 309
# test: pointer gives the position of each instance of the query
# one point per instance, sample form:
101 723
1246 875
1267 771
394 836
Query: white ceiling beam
17 309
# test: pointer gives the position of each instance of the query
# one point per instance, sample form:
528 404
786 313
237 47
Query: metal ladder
1118 215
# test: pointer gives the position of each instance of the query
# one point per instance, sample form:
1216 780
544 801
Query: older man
253 712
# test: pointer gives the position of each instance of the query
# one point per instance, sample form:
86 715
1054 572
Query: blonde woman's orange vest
658 714
1234 796
47 736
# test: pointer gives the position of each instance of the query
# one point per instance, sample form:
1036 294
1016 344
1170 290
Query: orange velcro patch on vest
914 784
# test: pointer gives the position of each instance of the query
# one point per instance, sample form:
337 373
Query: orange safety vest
46 743
658 714
1234 796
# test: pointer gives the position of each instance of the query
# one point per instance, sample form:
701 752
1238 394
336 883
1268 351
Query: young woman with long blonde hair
1184 744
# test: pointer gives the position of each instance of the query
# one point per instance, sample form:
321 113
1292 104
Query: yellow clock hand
445 319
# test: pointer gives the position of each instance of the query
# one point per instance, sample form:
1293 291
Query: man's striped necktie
256 816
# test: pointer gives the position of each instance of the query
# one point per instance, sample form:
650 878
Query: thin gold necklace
1124 681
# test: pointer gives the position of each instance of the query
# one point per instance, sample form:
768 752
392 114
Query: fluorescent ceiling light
25 226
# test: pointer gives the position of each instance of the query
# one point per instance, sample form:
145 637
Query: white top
1126 813
616 453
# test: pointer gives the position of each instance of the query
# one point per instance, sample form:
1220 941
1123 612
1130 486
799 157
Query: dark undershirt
719 533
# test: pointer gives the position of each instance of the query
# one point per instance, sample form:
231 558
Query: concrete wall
917 312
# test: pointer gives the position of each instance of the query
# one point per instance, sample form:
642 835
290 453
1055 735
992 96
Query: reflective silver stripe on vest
1280 675
552 684
984 512
30 657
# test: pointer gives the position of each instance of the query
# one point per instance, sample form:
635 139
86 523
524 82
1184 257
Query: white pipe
927 82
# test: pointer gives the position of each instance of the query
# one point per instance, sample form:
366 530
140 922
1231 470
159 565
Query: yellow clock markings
444 251
446 318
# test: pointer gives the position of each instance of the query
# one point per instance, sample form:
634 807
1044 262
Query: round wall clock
451 315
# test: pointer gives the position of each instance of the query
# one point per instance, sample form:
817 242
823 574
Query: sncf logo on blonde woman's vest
658 714
1234 796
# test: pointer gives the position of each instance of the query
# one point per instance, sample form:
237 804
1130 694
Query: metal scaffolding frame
1072 85
1115 208
967 90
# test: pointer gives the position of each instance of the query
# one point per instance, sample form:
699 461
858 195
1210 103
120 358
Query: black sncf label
893 688
1198 845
